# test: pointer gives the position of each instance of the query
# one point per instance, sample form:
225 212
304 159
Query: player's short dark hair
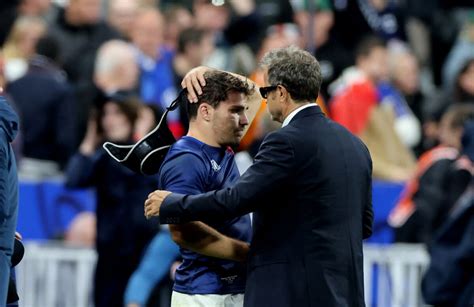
218 86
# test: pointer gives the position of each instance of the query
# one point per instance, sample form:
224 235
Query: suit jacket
310 189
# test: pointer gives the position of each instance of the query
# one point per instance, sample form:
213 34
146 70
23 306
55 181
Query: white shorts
206 300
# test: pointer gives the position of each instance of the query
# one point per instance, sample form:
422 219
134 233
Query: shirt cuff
171 211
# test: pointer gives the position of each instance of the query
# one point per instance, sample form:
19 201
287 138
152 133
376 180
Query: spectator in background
115 71
156 84
46 105
404 75
80 32
122 231
21 45
356 105
38 8
464 83
148 117
449 278
382 18
406 124
81 231
315 20
235 27
177 18
116 68
437 184
460 53
273 12
121 15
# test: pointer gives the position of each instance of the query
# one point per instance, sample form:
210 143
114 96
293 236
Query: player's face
229 119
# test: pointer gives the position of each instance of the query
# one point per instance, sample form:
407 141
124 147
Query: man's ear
283 94
205 110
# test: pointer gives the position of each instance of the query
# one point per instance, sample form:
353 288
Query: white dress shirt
295 111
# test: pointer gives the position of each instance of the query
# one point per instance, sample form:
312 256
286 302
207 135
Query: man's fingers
201 79
196 84
192 96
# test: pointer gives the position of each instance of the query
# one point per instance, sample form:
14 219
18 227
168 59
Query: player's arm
186 174
205 240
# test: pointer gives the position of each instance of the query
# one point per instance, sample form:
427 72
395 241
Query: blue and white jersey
192 167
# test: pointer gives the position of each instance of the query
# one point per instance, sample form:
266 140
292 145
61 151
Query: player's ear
205 110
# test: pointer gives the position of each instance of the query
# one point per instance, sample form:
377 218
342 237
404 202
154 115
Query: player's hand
153 203
194 82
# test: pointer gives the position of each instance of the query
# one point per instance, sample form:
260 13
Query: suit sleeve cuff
171 211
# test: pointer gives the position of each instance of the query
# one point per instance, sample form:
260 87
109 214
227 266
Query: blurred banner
47 208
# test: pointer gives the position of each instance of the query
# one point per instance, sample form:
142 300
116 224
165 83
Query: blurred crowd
397 73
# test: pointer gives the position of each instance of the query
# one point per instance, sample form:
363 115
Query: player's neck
201 135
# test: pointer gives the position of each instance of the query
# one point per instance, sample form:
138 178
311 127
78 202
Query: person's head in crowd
372 59
210 17
452 123
177 18
20 45
81 232
23 37
117 117
149 116
34 7
315 28
404 71
219 115
464 86
147 33
292 76
121 15
195 45
116 67
83 12
47 46
280 36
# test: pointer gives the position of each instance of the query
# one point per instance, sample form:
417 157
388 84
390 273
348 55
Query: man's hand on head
194 82
153 203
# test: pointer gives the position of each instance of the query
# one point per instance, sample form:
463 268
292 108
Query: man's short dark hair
218 86
189 36
367 45
295 69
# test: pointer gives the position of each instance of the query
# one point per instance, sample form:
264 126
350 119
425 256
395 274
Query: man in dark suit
309 189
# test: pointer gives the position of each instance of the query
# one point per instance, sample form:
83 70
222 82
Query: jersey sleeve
185 174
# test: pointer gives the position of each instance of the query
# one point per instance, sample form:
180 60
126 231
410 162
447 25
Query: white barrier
394 272
53 275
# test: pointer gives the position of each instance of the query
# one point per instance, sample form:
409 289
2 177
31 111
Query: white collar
295 111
